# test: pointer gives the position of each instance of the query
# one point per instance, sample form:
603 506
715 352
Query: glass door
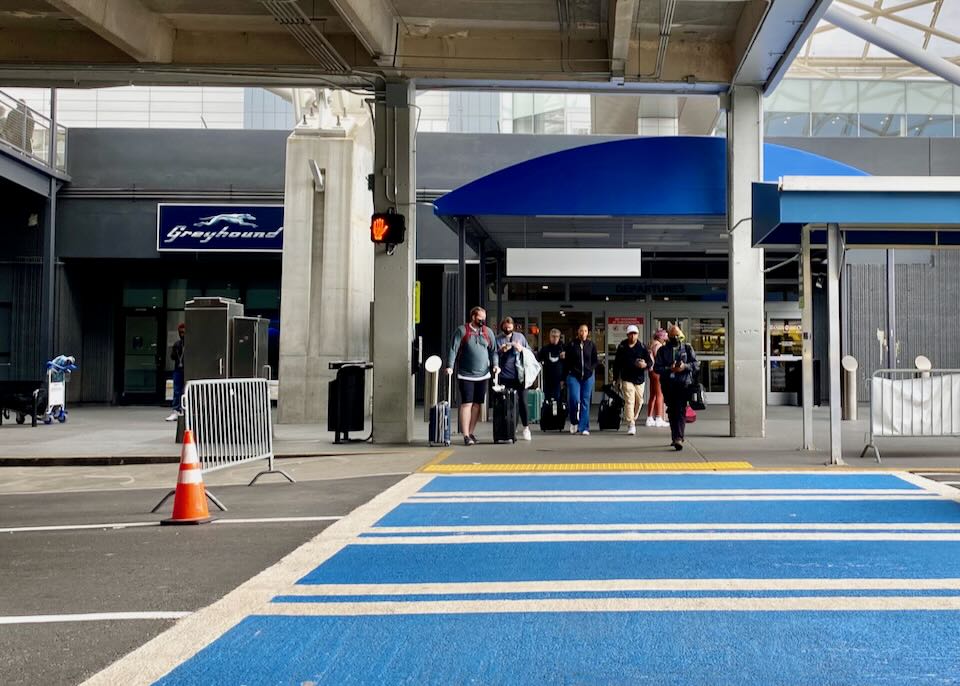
784 356
708 338
142 358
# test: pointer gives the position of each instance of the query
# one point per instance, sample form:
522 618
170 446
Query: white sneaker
632 430
651 421
526 434
172 417
585 433
662 423
573 428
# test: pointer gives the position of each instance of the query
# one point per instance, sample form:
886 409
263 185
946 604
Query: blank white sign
570 262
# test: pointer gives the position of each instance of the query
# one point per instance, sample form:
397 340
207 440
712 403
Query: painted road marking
90 617
544 561
720 604
769 648
727 493
891 613
769 526
704 481
135 525
667 512
453 539
663 498
613 585
585 467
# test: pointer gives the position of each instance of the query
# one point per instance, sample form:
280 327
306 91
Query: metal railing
231 423
28 132
906 403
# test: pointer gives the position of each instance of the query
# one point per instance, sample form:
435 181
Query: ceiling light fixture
575 234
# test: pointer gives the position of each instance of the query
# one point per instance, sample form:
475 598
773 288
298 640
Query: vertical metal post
891 310
482 274
834 257
806 306
499 282
49 269
462 268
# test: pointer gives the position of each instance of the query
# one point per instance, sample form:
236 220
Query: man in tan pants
630 368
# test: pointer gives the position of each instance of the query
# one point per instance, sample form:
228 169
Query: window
834 108
787 124
882 108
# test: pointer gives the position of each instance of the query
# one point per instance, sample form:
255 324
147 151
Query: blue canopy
885 212
680 176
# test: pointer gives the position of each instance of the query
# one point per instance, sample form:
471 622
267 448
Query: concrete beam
373 23
622 14
144 35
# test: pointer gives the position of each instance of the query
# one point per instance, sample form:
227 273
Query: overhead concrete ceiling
604 45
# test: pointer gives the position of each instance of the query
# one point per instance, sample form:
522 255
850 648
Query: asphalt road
138 569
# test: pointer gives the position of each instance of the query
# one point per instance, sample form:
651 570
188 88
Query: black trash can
346 398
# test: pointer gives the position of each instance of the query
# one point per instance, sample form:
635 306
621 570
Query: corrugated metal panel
866 313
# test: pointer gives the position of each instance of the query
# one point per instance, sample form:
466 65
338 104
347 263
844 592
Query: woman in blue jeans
580 359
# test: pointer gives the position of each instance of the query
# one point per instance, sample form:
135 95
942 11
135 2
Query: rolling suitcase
553 415
534 403
440 419
610 414
504 406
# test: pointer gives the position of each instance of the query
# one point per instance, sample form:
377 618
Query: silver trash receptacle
848 405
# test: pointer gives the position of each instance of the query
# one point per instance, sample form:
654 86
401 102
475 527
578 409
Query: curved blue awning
633 177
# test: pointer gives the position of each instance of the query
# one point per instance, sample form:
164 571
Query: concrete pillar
327 260
393 330
806 307
834 259
745 330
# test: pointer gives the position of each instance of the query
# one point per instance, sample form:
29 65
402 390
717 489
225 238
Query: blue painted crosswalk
778 578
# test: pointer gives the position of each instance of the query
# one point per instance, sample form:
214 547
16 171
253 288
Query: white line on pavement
133 525
667 499
736 604
610 585
671 493
820 536
90 617
720 526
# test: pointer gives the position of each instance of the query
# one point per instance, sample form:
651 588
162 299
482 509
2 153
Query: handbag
690 416
698 400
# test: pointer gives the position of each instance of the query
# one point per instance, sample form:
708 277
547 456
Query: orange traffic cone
190 498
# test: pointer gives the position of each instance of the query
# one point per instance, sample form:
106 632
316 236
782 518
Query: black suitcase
440 418
504 407
553 415
610 415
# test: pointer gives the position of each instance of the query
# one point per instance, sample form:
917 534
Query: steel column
49 270
891 310
462 267
806 306
834 258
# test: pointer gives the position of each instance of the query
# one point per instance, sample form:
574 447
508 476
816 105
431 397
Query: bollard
848 405
431 384
923 365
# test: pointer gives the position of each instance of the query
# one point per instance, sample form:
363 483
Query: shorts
473 391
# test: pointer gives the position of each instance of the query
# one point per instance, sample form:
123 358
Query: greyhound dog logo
238 219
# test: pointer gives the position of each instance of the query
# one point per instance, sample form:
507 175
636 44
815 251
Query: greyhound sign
185 227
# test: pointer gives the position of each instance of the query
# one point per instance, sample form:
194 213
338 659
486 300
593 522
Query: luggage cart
58 371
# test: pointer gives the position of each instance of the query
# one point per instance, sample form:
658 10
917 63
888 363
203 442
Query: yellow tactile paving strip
586 467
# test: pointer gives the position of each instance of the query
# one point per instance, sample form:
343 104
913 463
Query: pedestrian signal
388 228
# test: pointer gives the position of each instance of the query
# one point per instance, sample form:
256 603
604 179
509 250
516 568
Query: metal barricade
907 403
231 423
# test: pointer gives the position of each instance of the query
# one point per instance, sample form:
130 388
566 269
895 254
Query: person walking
580 360
510 343
473 353
655 405
630 367
677 366
550 357
176 354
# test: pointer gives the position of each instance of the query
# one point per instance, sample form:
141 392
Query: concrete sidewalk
138 435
